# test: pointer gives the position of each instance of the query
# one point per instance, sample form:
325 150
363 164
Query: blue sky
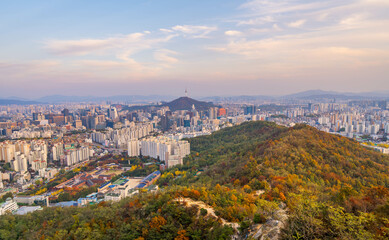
211 47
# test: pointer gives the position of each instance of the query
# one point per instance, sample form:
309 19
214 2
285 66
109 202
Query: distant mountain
320 94
186 103
62 98
116 98
380 94
241 98
17 102
305 95
17 98
153 99
310 93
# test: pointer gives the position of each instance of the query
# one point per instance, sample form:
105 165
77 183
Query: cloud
379 3
346 39
194 31
353 20
123 45
276 27
121 49
289 40
297 23
164 56
87 46
314 14
32 67
256 21
166 30
306 42
140 55
280 7
233 33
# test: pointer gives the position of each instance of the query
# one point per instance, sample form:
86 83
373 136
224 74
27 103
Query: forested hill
186 103
332 187
257 150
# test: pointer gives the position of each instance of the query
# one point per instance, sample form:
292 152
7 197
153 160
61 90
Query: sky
218 47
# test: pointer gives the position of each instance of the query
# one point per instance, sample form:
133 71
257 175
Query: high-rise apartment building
165 149
74 156
133 148
112 113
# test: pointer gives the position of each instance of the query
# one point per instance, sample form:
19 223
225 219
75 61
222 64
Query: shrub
203 212
259 218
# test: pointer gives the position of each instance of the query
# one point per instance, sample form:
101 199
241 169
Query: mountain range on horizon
147 99
317 93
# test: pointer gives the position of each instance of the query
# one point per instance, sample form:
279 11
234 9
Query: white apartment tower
133 148
169 150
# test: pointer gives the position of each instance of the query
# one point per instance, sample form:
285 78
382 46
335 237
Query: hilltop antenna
186 92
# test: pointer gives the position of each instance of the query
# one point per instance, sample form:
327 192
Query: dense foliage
146 216
315 173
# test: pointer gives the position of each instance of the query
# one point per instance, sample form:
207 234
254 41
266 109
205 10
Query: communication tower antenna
186 92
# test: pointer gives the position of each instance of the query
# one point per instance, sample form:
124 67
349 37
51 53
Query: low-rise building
8 207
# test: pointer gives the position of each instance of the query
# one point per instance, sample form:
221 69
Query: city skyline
220 48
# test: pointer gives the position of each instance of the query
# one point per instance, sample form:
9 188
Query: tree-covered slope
146 216
293 165
259 150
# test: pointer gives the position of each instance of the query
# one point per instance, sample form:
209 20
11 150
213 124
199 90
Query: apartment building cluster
32 132
21 154
356 123
76 155
119 138
34 154
165 149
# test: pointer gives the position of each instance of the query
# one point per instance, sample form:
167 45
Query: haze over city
220 47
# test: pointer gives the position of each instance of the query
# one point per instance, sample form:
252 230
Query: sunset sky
219 47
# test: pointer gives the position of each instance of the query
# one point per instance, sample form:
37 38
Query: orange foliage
282 197
181 235
157 222
195 194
